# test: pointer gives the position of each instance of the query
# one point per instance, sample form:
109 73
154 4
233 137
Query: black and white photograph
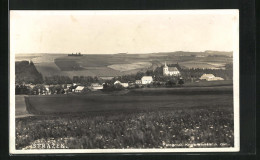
124 81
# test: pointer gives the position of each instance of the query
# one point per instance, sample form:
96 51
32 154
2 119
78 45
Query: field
209 83
20 106
173 128
201 65
48 68
119 64
132 66
142 118
135 100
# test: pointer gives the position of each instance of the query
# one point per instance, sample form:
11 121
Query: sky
109 32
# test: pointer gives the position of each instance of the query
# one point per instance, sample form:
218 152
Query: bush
170 83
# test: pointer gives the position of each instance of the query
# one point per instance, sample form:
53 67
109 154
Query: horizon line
127 52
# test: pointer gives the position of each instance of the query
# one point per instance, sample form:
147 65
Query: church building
170 71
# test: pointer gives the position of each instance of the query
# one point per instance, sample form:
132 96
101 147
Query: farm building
96 86
47 91
216 79
122 84
69 85
170 71
106 78
79 89
147 79
210 77
138 82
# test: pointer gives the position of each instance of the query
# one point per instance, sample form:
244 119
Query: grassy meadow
172 128
134 100
170 118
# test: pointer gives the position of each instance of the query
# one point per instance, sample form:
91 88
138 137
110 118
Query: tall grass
152 129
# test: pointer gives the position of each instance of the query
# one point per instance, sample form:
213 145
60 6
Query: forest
25 72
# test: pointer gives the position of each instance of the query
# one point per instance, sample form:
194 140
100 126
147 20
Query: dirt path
20 107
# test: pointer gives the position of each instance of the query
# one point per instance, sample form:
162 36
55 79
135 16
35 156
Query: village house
147 79
66 90
122 84
47 91
96 86
106 78
170 71
210 77
75 84
69 85
79 89
138 82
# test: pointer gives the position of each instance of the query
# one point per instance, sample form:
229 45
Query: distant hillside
113 65
26 72
205 53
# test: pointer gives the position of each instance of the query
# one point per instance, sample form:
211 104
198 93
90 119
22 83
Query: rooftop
147 77
80 88
173 69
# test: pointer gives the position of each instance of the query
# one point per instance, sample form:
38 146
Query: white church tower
165 69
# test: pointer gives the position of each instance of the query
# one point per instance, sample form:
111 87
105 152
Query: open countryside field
201 65
20 106
168 119
138 99
131 66
118 64
210 83
48 68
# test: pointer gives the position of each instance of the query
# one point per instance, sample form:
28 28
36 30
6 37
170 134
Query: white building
69 85
96 86
210 77
122 84
79 89
138 82
170 71
147 79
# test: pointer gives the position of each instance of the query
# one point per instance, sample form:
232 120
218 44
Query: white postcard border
236 148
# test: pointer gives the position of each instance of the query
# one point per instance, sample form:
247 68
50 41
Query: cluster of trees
84 80
195 73
57 80
39 89
25 72
113 87
22 89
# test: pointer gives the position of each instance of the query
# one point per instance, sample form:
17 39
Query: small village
171 77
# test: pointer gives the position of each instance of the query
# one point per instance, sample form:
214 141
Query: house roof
117 82
80 88
207 75
95 84
147 78
173 69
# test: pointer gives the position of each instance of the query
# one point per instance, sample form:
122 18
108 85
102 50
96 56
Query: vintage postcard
124 81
